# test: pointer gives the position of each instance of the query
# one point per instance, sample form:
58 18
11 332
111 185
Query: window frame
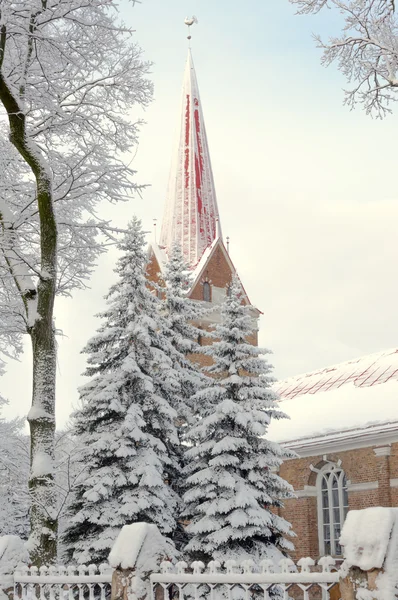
329 473
206 286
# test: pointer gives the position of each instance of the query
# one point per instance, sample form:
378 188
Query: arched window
332 507
206 292
229 291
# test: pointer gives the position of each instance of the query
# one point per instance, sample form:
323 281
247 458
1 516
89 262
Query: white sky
306 189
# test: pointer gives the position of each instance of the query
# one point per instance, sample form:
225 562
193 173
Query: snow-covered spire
191 208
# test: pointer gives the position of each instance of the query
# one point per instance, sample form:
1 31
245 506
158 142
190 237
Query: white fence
247 580
253 581
63 583
178 581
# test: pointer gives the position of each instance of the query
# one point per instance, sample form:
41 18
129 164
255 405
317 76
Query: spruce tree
181 313
232 490
179 317
126 424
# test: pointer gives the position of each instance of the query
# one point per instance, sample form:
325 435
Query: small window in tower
206 292
229 291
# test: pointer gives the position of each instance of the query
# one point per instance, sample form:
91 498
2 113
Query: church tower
191 216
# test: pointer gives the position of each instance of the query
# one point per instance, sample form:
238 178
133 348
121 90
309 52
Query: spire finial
190 21
154 229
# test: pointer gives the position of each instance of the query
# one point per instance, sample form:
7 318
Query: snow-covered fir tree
180 314
126 424
231 484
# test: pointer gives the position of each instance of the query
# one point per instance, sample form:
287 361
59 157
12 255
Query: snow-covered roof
366 371
348 403
162 259
346 438
191 210
196 272
159 253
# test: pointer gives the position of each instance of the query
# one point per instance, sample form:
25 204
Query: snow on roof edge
159 253
372 427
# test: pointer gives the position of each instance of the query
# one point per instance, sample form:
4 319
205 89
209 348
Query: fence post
137 552
370 546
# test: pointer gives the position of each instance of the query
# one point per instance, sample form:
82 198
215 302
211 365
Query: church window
206 292
332 507
229 291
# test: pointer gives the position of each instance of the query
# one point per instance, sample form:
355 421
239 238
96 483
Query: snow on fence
63 583
254 581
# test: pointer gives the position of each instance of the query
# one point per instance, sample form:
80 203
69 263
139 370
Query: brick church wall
217 272
153 269
364 468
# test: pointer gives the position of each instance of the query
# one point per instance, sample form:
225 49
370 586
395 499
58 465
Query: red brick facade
372 475
217 272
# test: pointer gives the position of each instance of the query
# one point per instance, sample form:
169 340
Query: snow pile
370 541
12 554
128 545
142 547
365 537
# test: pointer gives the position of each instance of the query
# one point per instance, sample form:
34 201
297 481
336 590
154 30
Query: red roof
366 371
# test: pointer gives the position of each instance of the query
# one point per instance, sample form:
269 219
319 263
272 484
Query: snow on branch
366 51
78 83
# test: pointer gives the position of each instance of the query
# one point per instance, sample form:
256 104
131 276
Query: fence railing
261 580
63 583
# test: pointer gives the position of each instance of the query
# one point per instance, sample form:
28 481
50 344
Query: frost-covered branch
382 7
70 76
366 51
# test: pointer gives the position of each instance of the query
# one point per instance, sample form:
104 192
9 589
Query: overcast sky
306 188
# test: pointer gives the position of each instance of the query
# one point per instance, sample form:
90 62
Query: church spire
191 211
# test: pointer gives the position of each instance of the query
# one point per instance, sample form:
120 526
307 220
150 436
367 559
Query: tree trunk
39 307
43 517
43 521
